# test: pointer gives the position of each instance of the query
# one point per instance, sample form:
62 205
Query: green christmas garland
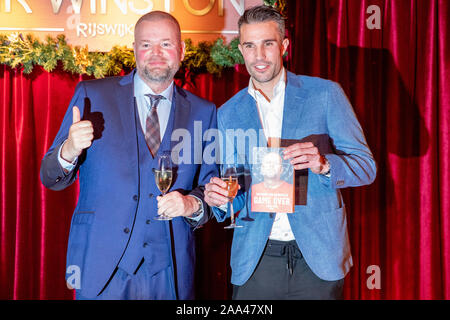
19 51
25 51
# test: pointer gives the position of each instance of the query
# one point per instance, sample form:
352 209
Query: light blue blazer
315 110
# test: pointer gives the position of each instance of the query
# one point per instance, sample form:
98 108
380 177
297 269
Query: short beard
162 75
261 78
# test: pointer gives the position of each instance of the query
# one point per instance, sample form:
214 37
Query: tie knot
154 99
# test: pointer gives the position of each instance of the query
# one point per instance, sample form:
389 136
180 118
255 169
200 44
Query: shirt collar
141 89
279 87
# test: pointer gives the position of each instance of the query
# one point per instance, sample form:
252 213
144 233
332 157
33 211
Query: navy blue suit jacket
109 180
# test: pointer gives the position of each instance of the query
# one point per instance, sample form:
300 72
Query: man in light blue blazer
306 254
117 249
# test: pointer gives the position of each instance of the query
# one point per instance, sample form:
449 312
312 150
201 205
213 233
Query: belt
288 249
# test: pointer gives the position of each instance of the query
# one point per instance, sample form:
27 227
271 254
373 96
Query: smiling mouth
261 67
156 60
157 63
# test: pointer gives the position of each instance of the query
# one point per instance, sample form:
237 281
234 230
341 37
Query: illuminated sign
101 24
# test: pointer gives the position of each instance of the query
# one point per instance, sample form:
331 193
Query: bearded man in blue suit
119 250
306 254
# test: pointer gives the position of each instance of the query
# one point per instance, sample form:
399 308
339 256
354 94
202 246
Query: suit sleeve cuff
197 216
67 166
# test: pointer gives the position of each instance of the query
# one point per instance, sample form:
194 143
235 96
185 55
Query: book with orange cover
273 185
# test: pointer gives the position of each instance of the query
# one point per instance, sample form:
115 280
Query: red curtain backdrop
35 221
398 79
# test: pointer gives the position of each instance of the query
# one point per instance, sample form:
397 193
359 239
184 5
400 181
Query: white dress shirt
271 115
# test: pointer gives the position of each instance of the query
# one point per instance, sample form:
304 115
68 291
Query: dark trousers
282 274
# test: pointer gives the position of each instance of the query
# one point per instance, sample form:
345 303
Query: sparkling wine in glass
163 177
230 177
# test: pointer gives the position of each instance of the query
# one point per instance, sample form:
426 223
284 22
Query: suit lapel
294 105
295 99
250 118
181 112
128 114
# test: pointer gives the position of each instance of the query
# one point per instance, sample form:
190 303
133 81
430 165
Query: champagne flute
230 177
163 177
246 177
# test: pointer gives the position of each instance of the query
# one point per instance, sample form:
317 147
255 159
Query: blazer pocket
336 222
79 238
83 217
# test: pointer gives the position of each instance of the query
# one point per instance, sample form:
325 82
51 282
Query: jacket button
126 230
145 244
135 197
147 221
150 195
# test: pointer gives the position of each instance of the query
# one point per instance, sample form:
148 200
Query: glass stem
231 212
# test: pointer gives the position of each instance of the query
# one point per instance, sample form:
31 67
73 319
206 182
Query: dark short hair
263 13
159 15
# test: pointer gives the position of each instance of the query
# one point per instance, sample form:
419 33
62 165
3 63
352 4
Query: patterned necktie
152 135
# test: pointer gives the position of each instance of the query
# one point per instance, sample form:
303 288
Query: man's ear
285 45
183 50
240 48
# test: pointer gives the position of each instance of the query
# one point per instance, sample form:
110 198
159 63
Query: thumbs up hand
81 134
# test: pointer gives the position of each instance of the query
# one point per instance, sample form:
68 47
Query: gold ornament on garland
280 5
